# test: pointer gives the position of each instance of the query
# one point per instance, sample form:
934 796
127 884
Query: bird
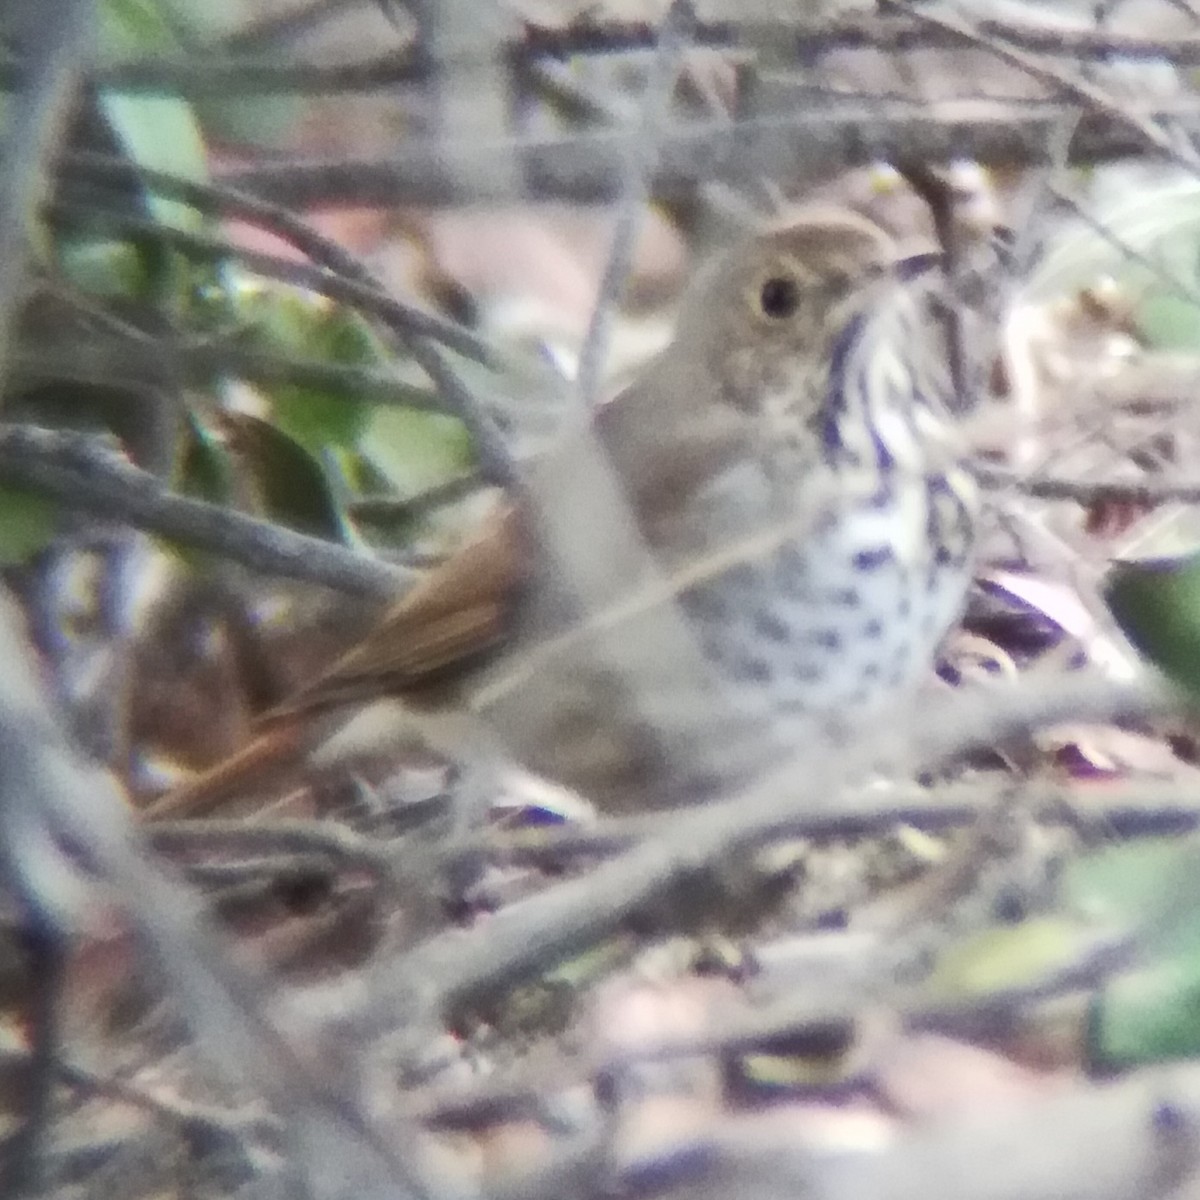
766 534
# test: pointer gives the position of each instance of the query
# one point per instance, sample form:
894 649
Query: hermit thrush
791 465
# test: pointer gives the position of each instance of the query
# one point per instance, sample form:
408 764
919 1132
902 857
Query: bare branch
110 361
50 799
808 36
35 120
641 154
1135 1135
454 967
1088 94
222 74
59 42
586 167
1148 492
215 200
403 319
87 475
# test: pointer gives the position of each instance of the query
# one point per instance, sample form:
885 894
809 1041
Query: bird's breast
851 610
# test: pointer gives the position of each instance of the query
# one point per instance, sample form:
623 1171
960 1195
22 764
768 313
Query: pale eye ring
779 296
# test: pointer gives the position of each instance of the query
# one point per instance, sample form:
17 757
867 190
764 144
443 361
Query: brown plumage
790 464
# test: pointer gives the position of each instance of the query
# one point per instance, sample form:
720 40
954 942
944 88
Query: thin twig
213 199
222 73
821 33
1172 282
585 166
641 155
226 75
385 508
494 460
455 967
558 85
221 1126
416 330
269 30
51 799
1091 96
1126 810
326 839
402 319
198 363
1148 492
37 115
58 45
86 474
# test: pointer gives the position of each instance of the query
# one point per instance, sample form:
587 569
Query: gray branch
458 966
50 799
221 74
85 474
586 167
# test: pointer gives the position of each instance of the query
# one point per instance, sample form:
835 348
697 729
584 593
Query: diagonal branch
86 475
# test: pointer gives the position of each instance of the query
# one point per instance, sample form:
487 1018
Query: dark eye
779 297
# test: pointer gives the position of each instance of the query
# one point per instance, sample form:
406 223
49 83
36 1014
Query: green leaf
303 326
1169 322
133 28
290 482
1152 884
1149 1015
1009 956
1143 894
1157 604
416 450
1126 881
105 268
1151 1012
27 522
203 466
159 132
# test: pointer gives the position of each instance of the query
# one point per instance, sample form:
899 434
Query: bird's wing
458 611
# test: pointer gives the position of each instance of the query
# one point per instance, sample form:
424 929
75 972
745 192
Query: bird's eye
779 297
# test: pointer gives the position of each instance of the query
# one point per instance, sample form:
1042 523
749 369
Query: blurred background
334 267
